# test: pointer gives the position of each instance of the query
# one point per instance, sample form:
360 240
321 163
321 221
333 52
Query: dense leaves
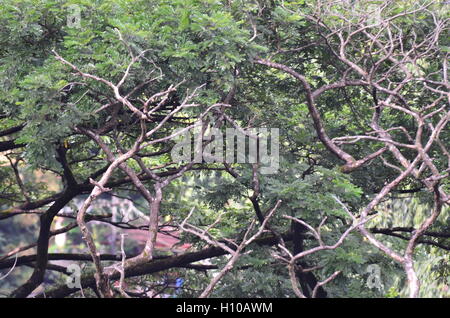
244 54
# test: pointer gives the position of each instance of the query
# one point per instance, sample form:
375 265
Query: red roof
164 241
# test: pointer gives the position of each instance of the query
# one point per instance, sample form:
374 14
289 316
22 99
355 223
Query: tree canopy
96 97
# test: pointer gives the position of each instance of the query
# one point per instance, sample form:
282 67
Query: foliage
219 51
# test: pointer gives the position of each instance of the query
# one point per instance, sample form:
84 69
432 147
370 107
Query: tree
358 91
